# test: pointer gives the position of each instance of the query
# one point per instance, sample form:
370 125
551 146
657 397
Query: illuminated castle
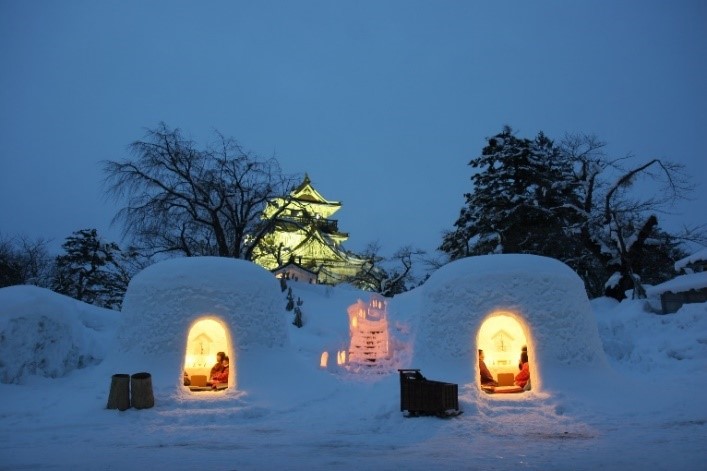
305 243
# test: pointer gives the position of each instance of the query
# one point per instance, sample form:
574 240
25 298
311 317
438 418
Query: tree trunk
119 396
630 262
141 391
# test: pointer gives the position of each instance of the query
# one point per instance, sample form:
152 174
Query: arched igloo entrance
207 336
502 337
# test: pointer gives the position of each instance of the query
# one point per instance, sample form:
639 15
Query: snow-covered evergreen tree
522 200
298 322
90 270
531 196
290 300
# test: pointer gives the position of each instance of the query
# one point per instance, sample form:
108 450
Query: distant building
688 287
294 271
305 242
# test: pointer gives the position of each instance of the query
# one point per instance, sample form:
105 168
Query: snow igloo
178 314
503 304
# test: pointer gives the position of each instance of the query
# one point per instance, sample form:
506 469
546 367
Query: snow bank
48 334
543 294
638 342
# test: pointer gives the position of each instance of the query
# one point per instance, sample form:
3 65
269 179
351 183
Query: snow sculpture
182 311
368 349
545 299
368 323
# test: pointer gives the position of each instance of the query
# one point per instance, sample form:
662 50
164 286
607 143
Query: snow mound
639 342
47 334
164 299
544 295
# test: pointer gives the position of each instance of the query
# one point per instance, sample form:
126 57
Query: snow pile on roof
545 294
698 256
163 301
679 284
48 334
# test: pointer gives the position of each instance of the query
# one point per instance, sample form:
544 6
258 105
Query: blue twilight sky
383 103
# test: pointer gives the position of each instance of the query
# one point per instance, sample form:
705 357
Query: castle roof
306 192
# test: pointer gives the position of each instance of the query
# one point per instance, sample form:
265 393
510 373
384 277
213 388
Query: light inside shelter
205 339
502 337
324 360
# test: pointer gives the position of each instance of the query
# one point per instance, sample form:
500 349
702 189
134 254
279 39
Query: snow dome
503 304
181 312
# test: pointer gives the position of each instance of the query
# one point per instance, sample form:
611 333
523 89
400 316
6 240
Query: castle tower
305 237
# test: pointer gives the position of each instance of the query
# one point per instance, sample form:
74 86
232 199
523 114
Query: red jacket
523 376
217 368
221 376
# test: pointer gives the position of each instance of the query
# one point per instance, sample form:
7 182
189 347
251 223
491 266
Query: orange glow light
206 337
502 337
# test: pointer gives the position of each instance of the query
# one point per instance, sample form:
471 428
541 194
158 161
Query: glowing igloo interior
502 336
207 336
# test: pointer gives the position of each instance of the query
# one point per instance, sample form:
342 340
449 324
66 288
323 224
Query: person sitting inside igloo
219 380
218 367
522 379
486 376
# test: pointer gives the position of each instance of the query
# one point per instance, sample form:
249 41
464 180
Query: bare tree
24 261
616 226
402 274
694 235
619 216
396 277
192 201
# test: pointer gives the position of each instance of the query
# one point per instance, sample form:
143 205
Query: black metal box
419 395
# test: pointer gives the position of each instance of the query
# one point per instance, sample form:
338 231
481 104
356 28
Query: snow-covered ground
57 357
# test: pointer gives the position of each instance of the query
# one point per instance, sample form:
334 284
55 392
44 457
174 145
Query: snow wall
546 297
164 301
